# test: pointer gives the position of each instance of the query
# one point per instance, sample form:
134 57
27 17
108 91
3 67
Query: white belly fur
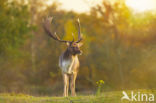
67 66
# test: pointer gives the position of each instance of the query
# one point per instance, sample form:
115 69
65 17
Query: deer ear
80 44
67 43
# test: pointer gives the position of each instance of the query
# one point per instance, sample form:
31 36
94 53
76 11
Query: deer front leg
72 84
66 84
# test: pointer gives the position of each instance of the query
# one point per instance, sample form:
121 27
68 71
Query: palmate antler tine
46 26
58 38
73 37
79 32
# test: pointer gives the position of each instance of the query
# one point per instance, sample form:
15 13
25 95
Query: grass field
105 97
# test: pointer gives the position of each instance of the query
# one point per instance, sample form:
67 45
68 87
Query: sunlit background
141 5
85 5
76 5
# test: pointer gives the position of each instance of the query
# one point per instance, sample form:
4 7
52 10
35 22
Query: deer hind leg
72 84
66 84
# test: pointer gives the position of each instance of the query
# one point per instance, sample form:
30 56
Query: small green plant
99 84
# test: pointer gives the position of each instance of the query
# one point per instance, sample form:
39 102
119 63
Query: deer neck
68 55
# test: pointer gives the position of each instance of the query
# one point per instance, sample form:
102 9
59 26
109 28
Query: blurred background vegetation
119 47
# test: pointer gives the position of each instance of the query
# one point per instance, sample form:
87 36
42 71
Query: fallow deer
68 61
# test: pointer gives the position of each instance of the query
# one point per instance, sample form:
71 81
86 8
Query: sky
76 5
142 5
85 5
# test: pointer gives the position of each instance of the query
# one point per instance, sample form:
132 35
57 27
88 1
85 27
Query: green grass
105 97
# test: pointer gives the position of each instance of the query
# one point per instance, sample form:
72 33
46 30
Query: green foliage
14 26
69 29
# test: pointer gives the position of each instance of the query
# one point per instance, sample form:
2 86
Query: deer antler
46 26
79 32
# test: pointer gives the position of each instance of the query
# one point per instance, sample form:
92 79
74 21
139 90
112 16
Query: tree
14 26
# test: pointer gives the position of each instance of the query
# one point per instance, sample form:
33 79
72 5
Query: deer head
73 46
